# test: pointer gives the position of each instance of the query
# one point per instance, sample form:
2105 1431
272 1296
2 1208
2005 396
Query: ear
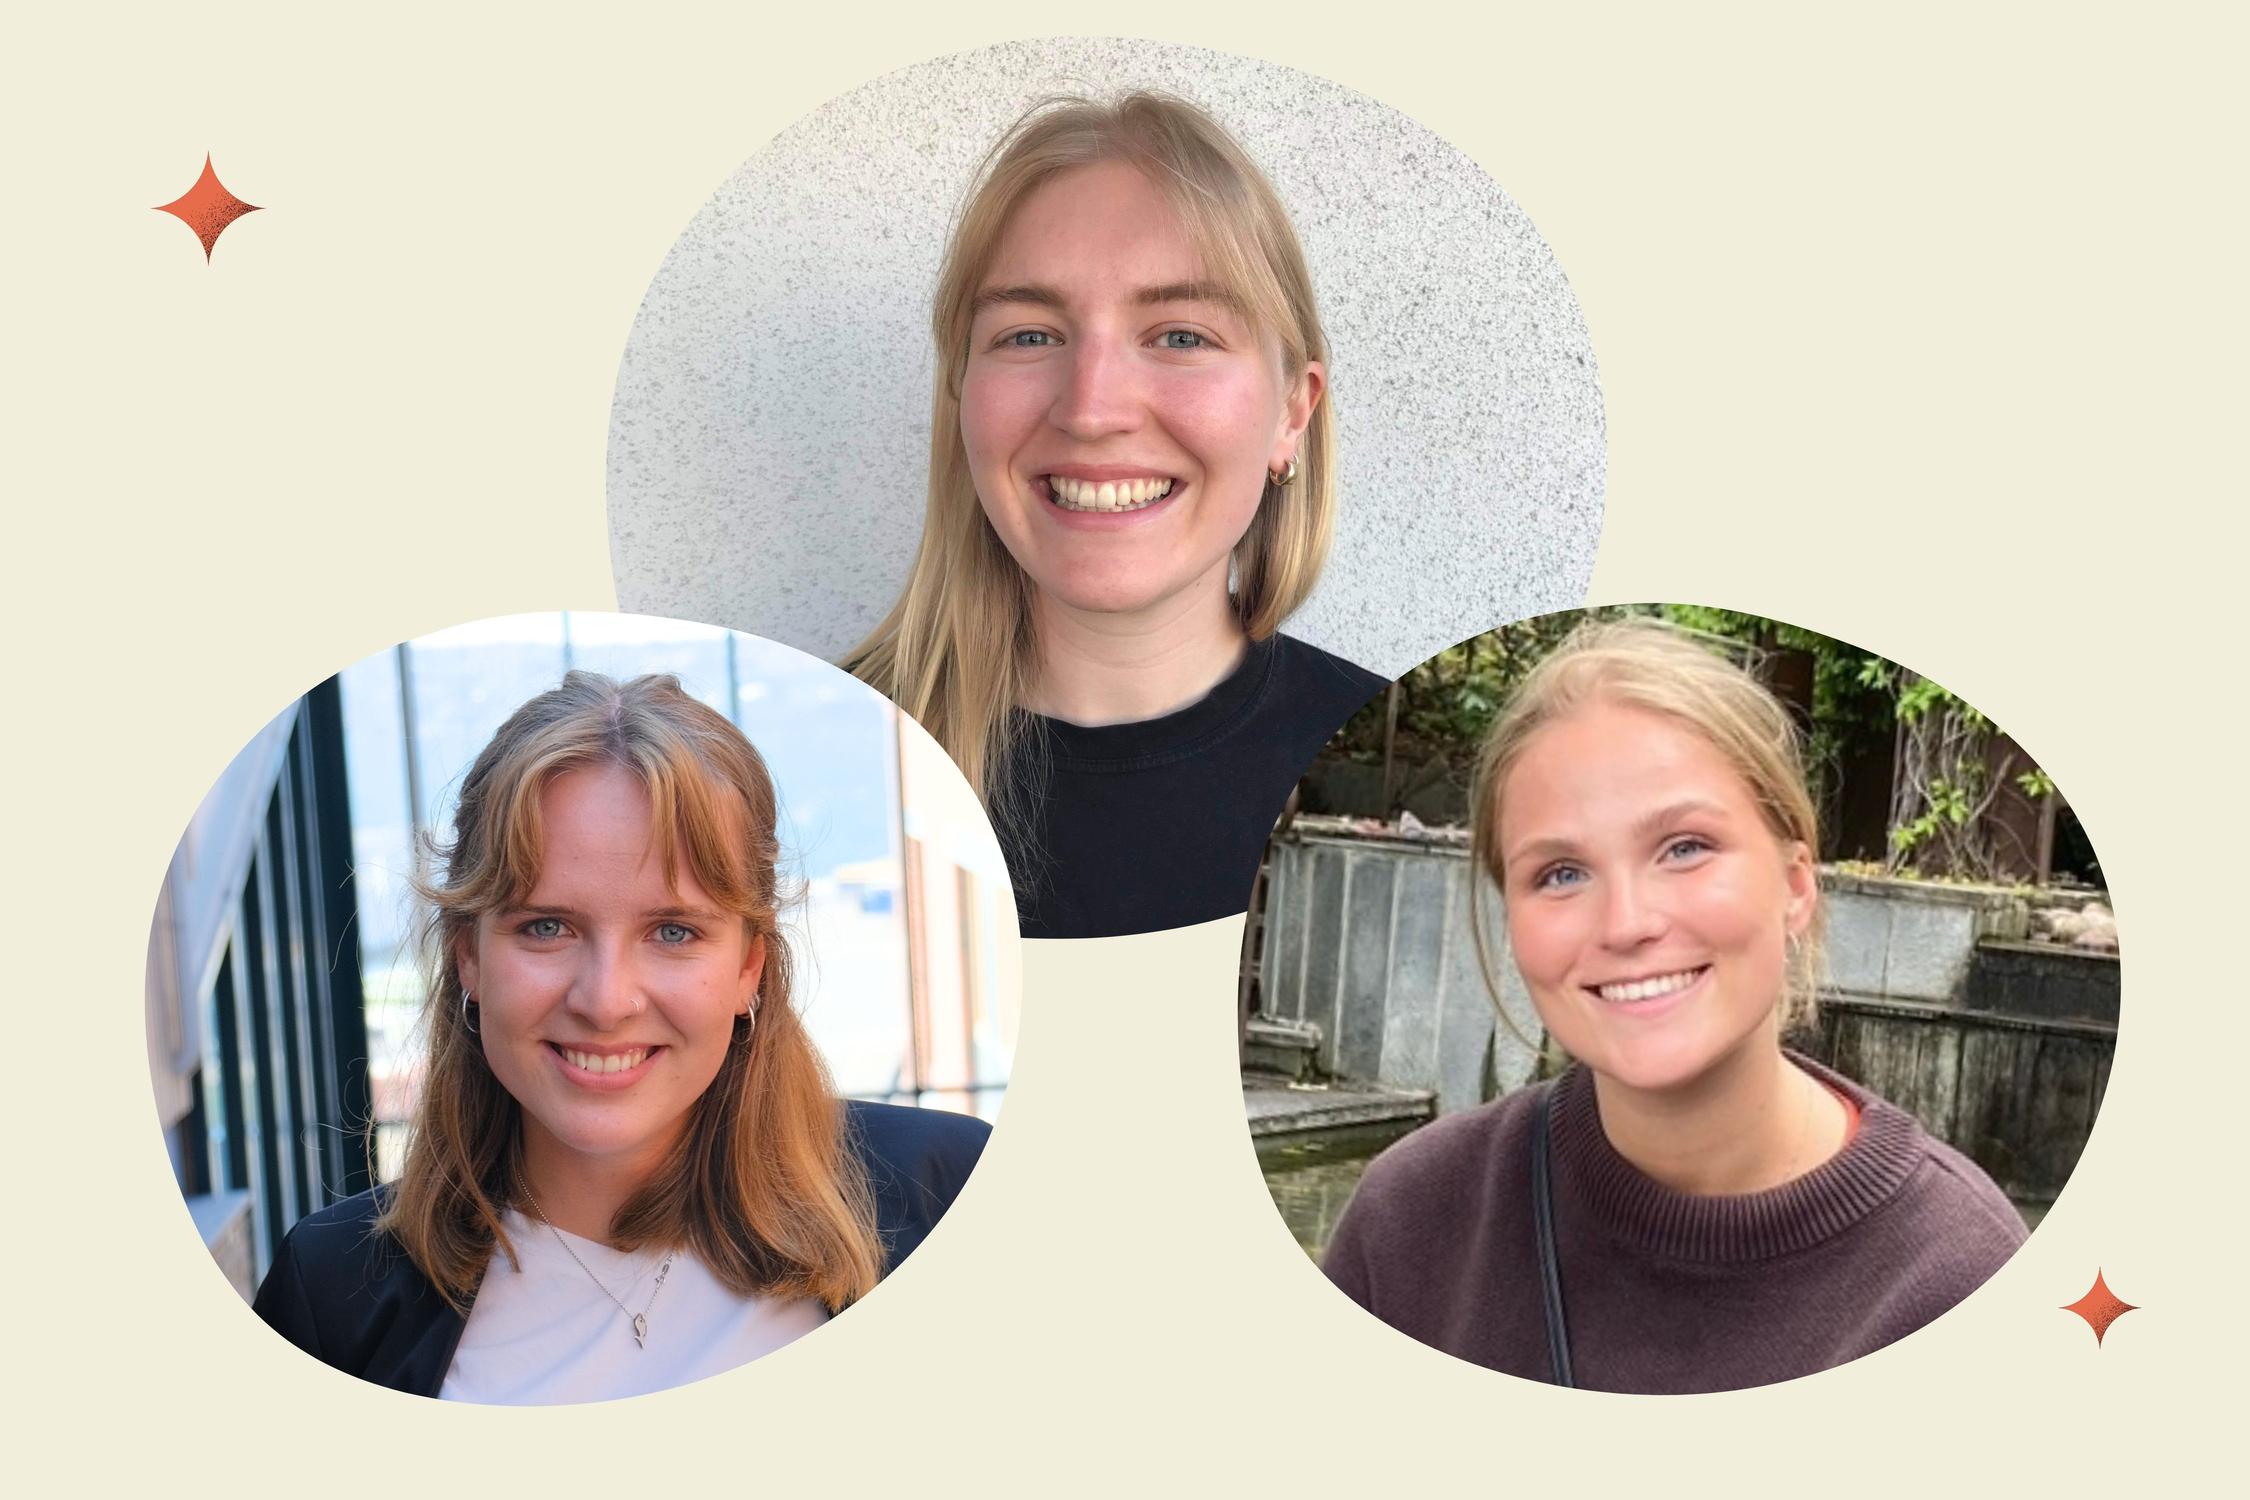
753 970
1803 878
465 956
1296 413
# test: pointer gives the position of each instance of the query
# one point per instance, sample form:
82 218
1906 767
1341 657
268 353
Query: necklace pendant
640 1330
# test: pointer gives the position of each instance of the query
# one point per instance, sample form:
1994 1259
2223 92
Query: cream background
1874 301
771 432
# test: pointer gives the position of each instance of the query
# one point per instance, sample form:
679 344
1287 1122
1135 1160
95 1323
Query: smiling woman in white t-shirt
627 1168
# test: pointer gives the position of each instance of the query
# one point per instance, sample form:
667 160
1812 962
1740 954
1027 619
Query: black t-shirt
1141 827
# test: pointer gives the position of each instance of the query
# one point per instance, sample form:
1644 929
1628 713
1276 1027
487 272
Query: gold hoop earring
1287 476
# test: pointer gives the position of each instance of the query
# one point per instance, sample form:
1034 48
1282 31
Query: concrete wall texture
769 434
1370 941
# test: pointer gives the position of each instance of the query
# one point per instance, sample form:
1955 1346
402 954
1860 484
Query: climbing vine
1865 710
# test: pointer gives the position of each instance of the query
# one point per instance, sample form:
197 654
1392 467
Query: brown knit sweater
1666 1292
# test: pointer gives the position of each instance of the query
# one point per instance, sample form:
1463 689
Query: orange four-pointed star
207 208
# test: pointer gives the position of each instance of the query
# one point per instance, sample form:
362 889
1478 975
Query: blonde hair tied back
1648 665
958 651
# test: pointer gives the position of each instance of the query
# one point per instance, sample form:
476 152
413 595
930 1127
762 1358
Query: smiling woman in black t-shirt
1131 487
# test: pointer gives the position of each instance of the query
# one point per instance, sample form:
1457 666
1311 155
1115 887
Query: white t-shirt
545 1334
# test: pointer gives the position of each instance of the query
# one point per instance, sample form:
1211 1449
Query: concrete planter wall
1910 939
1369 940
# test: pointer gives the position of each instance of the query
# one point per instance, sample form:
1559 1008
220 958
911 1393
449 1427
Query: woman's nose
1100 393
1630 917
606 990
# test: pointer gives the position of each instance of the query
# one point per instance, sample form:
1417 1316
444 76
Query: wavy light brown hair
1649 665
957 651
761 1185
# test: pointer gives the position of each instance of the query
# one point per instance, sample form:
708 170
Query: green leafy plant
1866 712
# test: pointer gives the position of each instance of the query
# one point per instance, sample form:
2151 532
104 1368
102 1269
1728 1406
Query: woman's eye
1182 338
1557 877
1686 848
1029 338
672 934
543 928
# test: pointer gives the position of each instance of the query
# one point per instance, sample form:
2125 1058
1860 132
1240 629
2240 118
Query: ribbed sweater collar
1640 1212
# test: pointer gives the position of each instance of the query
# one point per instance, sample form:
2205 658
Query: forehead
1103 226
598 832
596 812
1606 764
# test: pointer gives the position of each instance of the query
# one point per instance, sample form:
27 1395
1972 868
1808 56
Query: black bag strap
1543 1226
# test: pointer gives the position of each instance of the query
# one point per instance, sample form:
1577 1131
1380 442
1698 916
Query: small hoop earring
749 1031
1287 476
467 1022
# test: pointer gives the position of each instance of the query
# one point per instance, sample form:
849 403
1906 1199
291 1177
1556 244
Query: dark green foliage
1864 709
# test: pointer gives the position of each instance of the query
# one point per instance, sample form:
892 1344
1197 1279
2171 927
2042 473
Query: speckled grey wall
770 431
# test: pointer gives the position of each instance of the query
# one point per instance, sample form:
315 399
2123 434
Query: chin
1650 1070
1096 592
599 1137
1659 1062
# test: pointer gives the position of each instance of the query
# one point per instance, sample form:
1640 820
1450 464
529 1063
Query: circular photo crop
1666 999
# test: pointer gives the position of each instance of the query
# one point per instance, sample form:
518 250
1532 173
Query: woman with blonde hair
1131 487
627 1168
1690 1207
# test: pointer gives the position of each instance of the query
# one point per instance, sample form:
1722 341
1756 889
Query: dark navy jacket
350 1298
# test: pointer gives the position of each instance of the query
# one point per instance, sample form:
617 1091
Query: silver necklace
640 1319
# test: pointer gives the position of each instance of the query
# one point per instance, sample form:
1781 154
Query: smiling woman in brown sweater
1718 1212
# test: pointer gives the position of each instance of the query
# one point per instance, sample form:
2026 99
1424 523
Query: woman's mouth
610 1066
1651 987
1107 496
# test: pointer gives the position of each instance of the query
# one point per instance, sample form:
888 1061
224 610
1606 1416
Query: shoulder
917 1162
1945 1233
914 1142
1965 1210
1319 677
1431 1170
341 1238
1945 1200
1428 1199
346 1293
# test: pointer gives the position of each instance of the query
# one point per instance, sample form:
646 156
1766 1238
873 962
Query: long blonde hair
1648 665
957 651
761 1185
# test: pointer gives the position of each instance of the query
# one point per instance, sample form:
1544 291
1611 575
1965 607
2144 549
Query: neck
1097 668
1752 1123
580 1193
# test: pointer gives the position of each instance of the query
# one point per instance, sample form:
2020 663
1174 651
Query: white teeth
616 1062
1111 495
1648 989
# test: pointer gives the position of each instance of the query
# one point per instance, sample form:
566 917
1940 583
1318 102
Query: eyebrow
1030 294
1663 816
667 913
